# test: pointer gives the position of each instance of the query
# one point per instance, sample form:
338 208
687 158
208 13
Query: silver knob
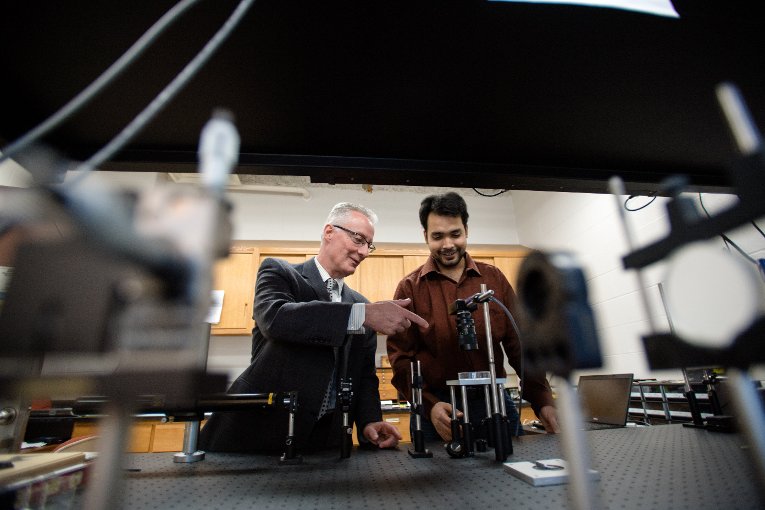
7 416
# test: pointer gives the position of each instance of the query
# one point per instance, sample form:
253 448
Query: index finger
415 318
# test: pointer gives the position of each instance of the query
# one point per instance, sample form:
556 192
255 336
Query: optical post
416 410
467 339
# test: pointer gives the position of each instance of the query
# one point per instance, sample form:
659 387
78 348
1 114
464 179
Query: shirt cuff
356 319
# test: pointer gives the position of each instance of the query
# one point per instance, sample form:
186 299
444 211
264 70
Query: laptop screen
605 398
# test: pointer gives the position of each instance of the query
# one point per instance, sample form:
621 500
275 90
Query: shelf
658 402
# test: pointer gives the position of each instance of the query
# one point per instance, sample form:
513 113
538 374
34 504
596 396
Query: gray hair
342 210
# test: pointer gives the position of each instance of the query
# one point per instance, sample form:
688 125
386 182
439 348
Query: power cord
727 240
490 196
653 198
518 334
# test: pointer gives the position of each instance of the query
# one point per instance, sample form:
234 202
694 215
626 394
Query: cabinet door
509 267
386 389
378 277
235 275
168 437
140 434
412 262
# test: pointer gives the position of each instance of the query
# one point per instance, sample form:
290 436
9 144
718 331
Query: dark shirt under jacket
297 341
440 356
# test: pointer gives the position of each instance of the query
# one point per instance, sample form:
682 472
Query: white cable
100 83
164 97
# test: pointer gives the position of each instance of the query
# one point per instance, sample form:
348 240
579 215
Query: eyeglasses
357 238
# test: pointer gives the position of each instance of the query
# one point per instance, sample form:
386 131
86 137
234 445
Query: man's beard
451 263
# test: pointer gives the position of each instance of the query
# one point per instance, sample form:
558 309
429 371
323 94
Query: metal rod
740 122
467 432
290 456
490 351
346 390
191 433
616 186
106 484
575 447
465 411
501 392
190 439
416 395
750 417
418 438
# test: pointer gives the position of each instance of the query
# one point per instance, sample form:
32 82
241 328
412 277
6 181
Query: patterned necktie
329 396
331 285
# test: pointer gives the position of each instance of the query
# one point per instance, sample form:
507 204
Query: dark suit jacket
297 341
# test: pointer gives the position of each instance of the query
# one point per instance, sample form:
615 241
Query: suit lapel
312 276
310 273
345 297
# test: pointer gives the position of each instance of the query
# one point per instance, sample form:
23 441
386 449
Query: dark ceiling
437 93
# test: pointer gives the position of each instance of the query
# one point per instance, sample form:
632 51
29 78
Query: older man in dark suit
311 330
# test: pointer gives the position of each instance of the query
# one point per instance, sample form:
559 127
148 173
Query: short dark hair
448 204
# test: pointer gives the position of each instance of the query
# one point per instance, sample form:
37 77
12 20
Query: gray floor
661 467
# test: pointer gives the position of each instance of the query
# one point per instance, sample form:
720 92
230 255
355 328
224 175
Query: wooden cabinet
509 267
412 262
145 435
140 434
527 414
235 275
386 388
376 278
379 276
168 437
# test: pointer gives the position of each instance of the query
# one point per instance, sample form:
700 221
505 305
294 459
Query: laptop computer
605 400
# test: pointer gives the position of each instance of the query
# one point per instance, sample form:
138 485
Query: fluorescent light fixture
235 185
657 7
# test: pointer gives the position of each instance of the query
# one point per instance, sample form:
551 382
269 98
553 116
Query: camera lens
466 331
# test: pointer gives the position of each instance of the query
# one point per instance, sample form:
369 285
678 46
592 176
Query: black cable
742 252
164 97
704 208
490 196
653 197
100 83
727 240
518 334
758 228
509 316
